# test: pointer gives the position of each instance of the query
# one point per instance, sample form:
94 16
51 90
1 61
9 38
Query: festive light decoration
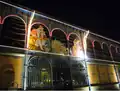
79 52
85 44
29 28
28 35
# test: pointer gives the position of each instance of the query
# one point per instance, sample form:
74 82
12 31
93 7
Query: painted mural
38 38
58 47
59 42
77 48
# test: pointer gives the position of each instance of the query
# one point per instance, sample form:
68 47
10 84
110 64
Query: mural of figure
33 38
38 39
58 47
40 42
77 48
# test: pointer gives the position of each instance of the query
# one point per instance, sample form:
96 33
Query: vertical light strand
117 74
29 28
26 60
85 55
85 44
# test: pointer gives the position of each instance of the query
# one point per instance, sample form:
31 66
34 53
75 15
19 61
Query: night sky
100 17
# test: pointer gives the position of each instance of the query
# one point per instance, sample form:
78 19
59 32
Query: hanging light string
29 28
85 43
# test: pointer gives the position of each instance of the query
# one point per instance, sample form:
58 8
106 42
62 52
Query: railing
116 57
106 55
90 53
7 50
99 54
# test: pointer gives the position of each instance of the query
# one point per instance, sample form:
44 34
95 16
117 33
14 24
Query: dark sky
99 17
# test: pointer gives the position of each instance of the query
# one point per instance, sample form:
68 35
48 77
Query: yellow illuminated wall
93 74
118 71
112 74
16 62
101 74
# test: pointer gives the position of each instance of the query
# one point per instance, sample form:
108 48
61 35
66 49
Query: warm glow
17 64
85 43
28 36
81 54
29 28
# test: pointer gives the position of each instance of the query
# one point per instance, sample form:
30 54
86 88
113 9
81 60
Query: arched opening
13 32
59 42
75 46
61 74
39 38
7 76
39 73
98 50
90 51
106 52
113 52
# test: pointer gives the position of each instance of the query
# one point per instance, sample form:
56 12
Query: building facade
40 52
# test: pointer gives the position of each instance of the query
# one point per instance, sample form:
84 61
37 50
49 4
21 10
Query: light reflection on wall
101 74
16 62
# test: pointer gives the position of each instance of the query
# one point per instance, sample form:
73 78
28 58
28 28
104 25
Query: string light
29 28
28 35
85 43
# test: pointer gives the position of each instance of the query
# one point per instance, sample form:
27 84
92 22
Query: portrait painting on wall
75 46
59 42
39 38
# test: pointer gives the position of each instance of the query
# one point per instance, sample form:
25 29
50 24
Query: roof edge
67 24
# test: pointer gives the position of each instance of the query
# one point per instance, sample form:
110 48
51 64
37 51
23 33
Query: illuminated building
39 52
